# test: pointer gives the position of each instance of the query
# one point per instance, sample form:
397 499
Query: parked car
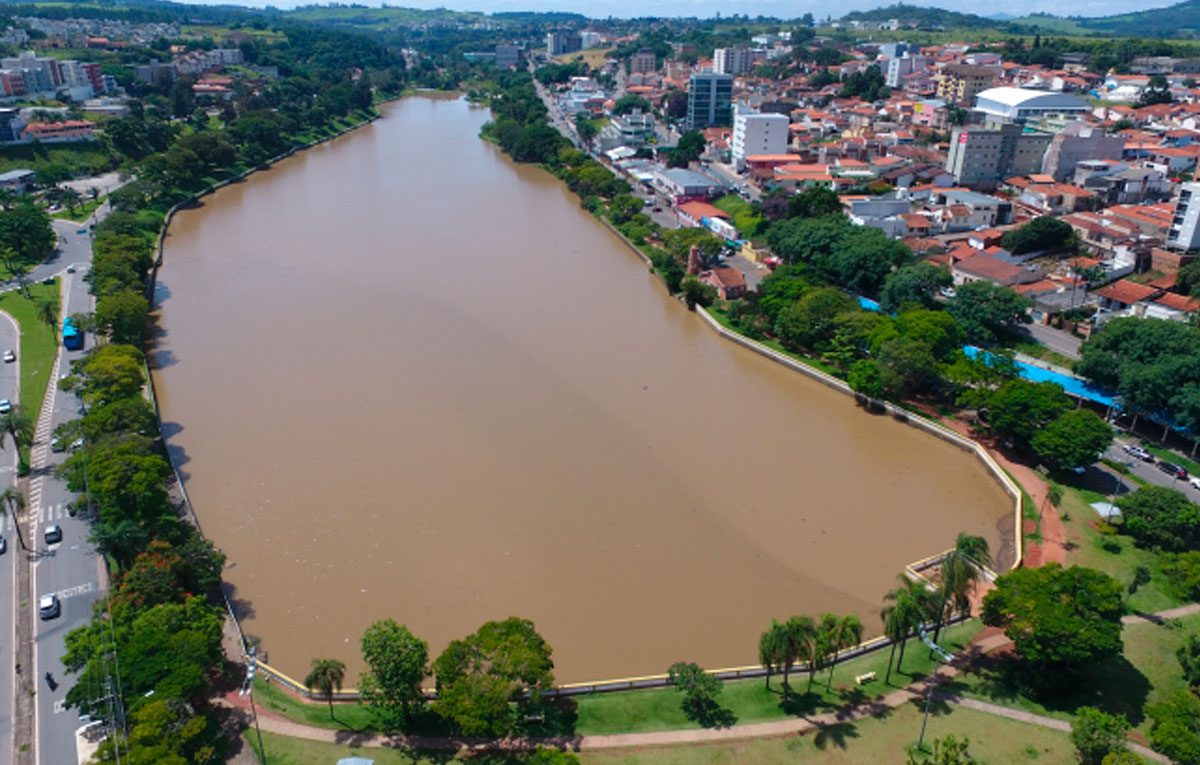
57 445
53 534
1173 470
1195 483
3 545
1137 451
10 357
5 406
48 606
71 269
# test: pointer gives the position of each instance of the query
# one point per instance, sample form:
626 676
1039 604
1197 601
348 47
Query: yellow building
959 83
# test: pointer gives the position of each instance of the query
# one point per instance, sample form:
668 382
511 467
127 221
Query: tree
1061 619
111 372
71 198
47 313
773 652
984 309
689 148
626 104
1073 439
1189 660
908 365
1176 728
1042 233
1018 409
26 230
585 128
700 691
14 500
1097 734
1157 516
397 663
813 203
803 638
16 424
961 571
907 608
325 677
844 632
1157 91
479 676
696 292
915 284
810 321
867 378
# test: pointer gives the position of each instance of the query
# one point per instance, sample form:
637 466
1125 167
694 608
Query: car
77 444
71 269
947 292
48 606
657 208
57 445
81 231
1173 470
53 534
1136 451
10 357
5 406
648 202
3 545
1195 482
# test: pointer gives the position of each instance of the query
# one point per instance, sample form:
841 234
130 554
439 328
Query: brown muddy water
404 377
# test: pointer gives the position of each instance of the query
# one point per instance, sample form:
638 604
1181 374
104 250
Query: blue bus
72 338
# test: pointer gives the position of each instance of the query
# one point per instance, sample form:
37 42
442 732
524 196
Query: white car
53 534
5 406
48 606
1195 482
10 357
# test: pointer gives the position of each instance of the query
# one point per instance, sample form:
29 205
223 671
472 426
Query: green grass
658 709
744 218
82 211
39 345
1146 672
719 312
83 158
1115 555
882 738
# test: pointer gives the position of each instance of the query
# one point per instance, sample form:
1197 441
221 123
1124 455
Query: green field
81 159
82 211
744 219
881 739
39 345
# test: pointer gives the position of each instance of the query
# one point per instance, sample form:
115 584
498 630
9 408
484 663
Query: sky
708 8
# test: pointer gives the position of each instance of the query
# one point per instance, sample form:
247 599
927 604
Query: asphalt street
9 374
1149 471
1054 339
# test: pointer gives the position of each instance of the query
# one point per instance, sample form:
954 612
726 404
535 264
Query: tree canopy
1157 516
1073 439
984 310
1043 233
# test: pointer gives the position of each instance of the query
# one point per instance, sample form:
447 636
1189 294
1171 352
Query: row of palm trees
817 643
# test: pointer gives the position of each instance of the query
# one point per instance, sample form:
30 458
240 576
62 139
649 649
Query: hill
926 17
1180 20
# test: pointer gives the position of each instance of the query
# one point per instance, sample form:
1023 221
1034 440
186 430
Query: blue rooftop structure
1072 385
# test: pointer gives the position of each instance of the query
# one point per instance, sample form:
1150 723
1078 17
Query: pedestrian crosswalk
51 514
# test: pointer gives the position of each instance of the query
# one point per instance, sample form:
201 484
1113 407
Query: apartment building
1185 225
643 62
982 155
755 134
960 83
710 100
735 60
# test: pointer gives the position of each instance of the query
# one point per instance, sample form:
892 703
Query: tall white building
735 60
758 134
1185 226
589 39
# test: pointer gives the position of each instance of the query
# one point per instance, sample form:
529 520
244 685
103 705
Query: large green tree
396 664
1176 726
810 321
1073 439
916 284
1043 233
1157 516
325 677
1061 619
480 676
1097 734
984 310
905 609
1018 409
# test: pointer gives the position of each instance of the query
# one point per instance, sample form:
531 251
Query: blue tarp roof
1072 385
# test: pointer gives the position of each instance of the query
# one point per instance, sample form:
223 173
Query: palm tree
71 198
847 633
326 676
806 635
47 311
772 652
908 606
15 501
961 571
16 423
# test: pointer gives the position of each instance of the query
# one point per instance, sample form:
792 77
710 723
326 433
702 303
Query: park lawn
86 158
719 311
1115 555
39 345
659 709
744 218
874 739
83 210
750 701
1146 672
886 738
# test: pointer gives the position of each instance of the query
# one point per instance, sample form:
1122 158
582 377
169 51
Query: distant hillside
925 17
1181 20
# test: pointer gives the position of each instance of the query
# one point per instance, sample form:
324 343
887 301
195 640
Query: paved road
1054 339
1148 471
8 561
72 569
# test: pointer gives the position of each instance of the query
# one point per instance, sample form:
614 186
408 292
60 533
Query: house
59 132
729 282
981 266
16 180
1123 295
1172 306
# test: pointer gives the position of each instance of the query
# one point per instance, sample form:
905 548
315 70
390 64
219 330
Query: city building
17 180
1185 226
507 56
11 123
1021 104
755 134
634 129
1078 143
642 62
959 83
710 100
983 155
735 60
562 41
590 39
59 132
900 67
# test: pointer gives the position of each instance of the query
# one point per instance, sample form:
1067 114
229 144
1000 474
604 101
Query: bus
72 338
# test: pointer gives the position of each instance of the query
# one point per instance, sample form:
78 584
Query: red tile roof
1127 292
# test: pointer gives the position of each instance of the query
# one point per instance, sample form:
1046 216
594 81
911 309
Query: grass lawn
744 218
1115 555
1146 672
82 211
39 344
658 709
874 739
718 312
85 158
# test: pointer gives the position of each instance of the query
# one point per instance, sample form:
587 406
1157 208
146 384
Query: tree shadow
836 735
242 609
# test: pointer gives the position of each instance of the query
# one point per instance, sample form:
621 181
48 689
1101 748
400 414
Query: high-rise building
644 61
983 155
1185 226
900 67
589 39
959 83
758 134
710 100
562 41
507 56
735 60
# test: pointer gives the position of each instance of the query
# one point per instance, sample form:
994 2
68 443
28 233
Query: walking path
1162 616
987 641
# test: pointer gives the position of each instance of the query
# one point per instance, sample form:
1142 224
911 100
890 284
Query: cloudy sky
780 8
